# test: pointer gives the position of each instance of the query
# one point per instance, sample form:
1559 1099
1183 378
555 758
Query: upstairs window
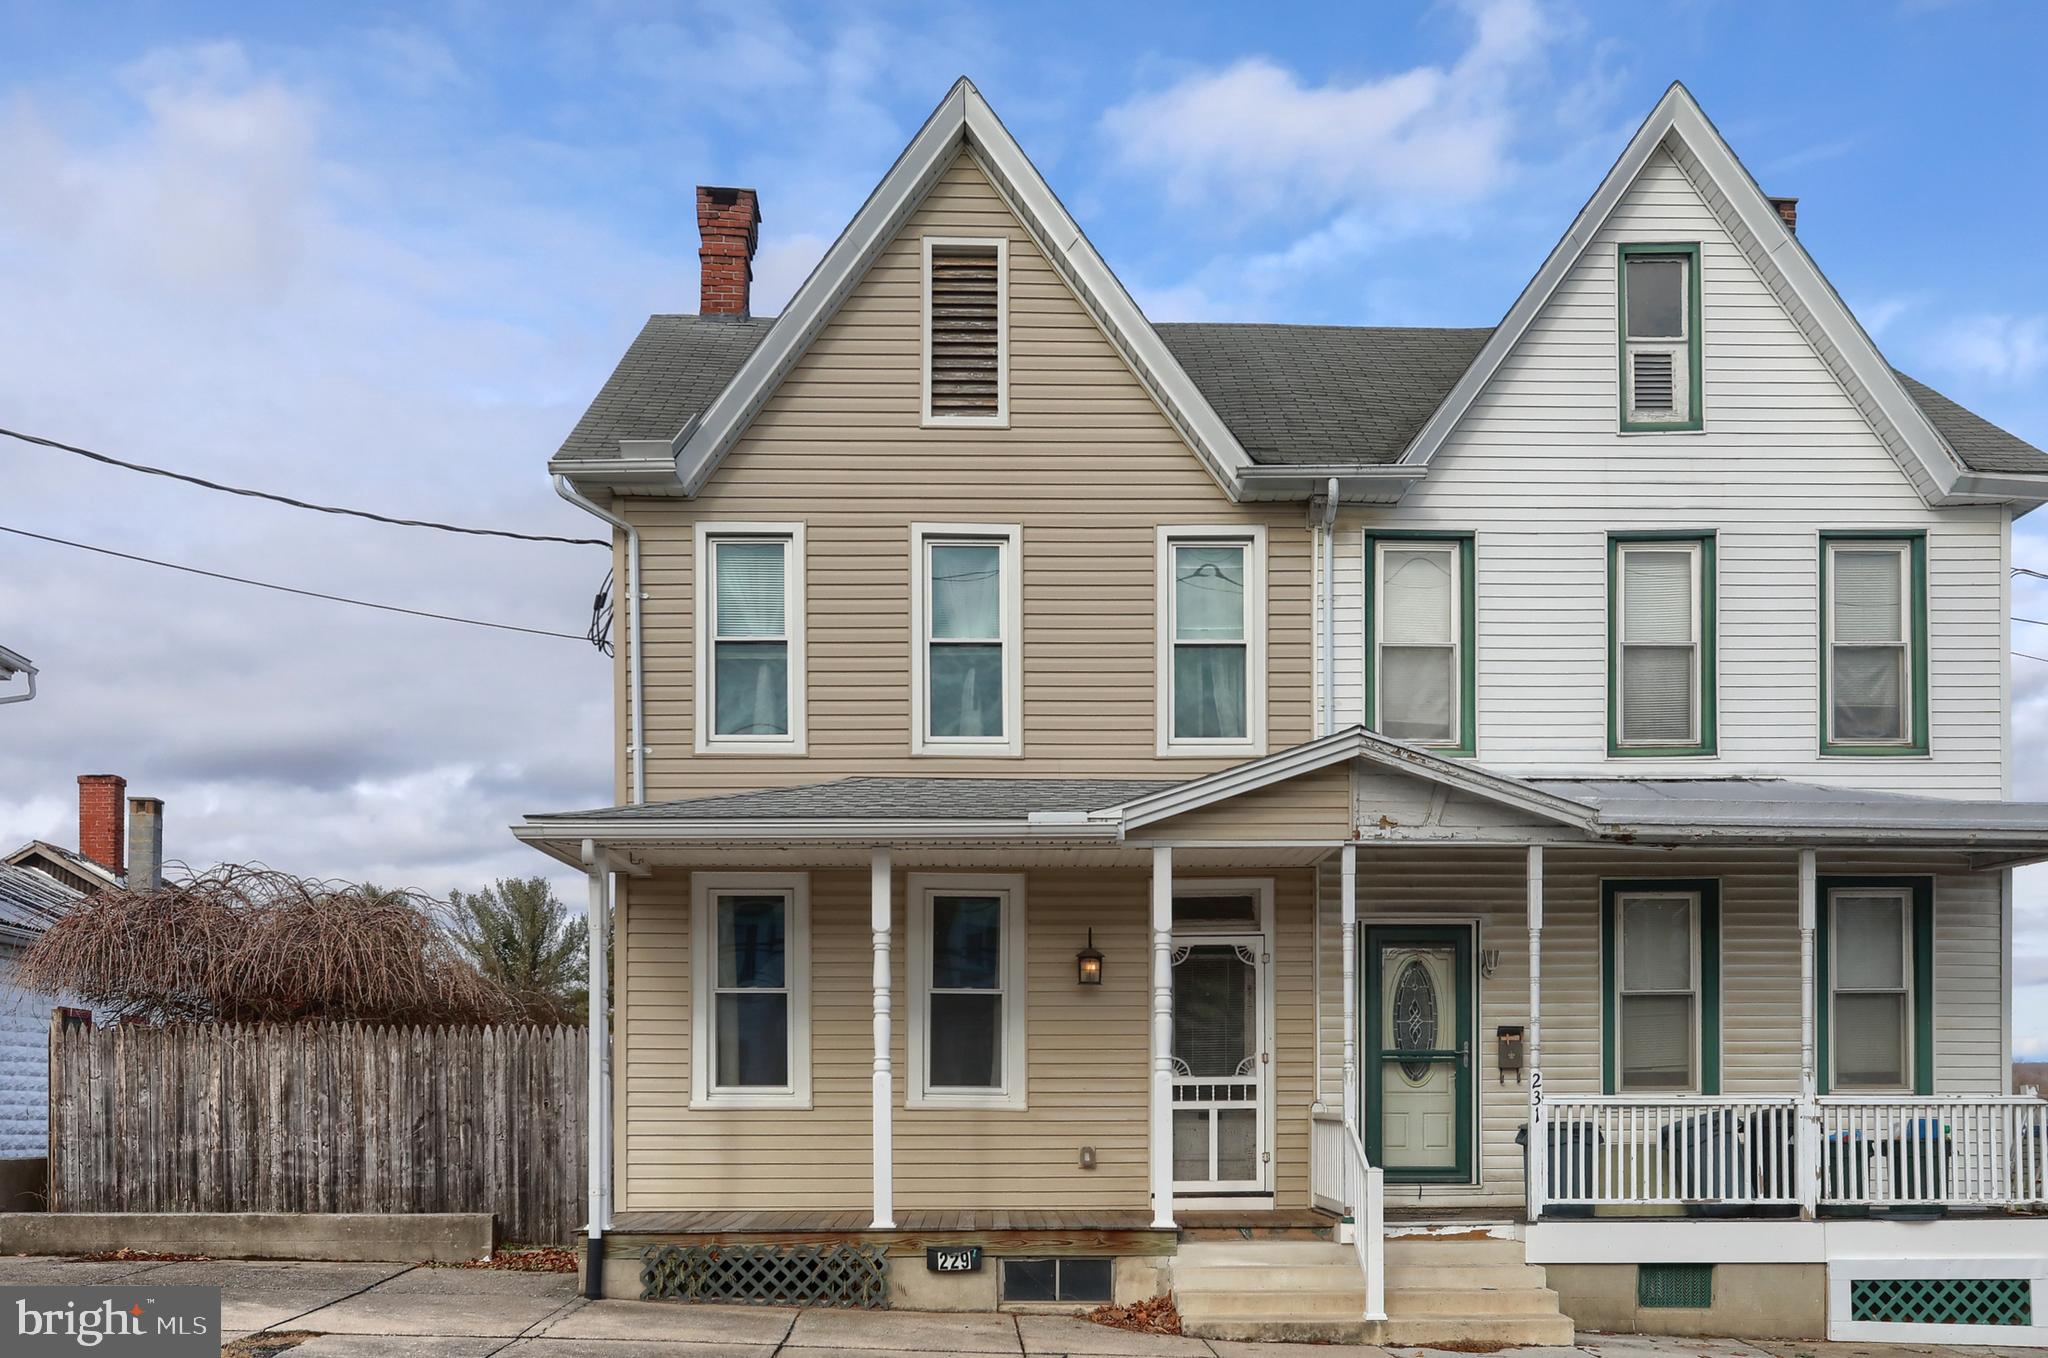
1419 662
1212 640
750 638
1660 646
1659 302
966 332
966 612
1873 645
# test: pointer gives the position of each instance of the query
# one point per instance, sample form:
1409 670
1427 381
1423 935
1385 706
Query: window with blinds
1418 628
1660 662
1870 671
750 626
1660 355
966 321
1657 1007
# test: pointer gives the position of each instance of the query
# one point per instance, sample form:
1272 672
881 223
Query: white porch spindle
1808 1145
884 1142
1162 1038
1539 1130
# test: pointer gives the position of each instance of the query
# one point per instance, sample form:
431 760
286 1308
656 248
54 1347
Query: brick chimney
145 843
729 220
99 819
1788 212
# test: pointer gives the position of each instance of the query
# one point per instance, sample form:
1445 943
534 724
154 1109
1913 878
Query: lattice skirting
1942 1301
853 1276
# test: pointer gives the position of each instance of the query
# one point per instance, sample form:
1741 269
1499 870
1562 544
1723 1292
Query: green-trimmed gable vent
1942 1301
1664 1286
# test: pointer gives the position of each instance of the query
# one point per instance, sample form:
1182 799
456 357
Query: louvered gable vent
1653 380
966 332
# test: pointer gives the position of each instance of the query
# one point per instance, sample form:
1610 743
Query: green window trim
1370 1089
1695 343
1467 742
1923 974
1915 541
1709 733
1709 892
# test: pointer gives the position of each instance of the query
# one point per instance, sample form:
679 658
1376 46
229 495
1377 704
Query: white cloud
1994 348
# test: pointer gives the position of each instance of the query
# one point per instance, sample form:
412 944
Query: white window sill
770 748
946 750
1659 433
785 1102
1232 750
986 1103
964 422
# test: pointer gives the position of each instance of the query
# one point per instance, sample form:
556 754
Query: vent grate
1942 1301
966 316
1654 384
852 1276
1665 1286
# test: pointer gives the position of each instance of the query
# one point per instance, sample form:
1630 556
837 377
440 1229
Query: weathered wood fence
321 1118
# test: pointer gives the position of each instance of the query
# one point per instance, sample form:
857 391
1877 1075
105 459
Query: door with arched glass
1417 1075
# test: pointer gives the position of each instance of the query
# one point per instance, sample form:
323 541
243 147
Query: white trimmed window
1870 659
750 1032
966 608
1660 620
967 964
1212 640
750 638
1657 1006
967 331
1870 988
1418 631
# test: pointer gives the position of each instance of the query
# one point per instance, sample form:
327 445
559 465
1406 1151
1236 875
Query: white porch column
599 1074
1807 1146
879 900
1539 1130
1348 913
1162 1038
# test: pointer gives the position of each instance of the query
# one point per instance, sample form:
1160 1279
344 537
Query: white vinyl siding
751 959
1212 652
967 617
750 643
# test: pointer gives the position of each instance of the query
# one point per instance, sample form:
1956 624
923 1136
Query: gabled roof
63 859
30 902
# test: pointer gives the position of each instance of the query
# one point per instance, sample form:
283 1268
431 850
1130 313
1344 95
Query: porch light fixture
1089 962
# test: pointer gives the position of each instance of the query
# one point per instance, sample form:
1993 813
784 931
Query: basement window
1659 301
1077 1280
966 332
1674 1286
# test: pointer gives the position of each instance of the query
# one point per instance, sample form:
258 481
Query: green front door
1416 1075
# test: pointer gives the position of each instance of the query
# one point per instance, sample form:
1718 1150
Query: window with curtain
1418 633
751 998
750 670
1211 677
1659 665
965 635
1871 997
1657 1001
1869 660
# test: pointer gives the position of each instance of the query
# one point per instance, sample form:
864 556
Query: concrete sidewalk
399 1311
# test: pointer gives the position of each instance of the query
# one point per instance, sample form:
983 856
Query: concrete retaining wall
427 1237
1751 1301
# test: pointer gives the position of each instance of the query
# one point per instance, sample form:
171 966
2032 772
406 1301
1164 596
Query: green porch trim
1916 544
1695 339
1467 742
1708 890
1709 733
1923 974
1459 936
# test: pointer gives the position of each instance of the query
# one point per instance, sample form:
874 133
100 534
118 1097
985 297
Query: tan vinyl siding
1088 466
1087 1052
1314 806
1759 969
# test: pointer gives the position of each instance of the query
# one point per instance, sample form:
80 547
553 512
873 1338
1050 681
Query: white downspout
599 1076
636 688
1330 610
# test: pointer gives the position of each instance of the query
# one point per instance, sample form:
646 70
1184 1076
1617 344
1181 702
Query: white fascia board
2019 489
1677 113
1356 484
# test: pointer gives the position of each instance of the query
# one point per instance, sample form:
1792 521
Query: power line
2029 655
148 470
288 589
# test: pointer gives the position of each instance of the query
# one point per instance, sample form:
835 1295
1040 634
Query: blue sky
384 255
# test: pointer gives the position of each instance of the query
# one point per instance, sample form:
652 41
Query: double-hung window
750 1031
750 631
1661 963
1660 645
967 617
1212 646
1874 649
1875 971
1419 663
968 973
1659 302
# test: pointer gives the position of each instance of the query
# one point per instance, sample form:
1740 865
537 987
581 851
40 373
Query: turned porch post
1348 913
1539 1130
1162 1038
1807 1147
884 1142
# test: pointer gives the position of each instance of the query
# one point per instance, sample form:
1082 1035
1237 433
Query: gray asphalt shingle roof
31 902
1292 394
890 799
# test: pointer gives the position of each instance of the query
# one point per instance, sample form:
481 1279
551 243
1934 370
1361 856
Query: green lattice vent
1675 1285
1942 1301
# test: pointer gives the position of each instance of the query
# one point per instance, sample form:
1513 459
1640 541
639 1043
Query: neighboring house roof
30 902
63 864
672 372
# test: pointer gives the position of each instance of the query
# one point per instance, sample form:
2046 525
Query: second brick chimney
1788 212
729 220
100 813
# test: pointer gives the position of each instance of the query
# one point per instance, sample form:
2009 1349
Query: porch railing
1342 1180
1778 1151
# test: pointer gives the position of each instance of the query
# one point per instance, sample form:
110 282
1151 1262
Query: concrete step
1273 1327
1473 1301
1459 1275
1259 1301
1263 1253
1436 1251
1422 1331
1282 1278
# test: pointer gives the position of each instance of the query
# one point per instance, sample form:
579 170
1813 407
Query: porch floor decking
1124 1230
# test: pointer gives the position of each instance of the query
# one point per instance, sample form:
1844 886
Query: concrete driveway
402 1311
